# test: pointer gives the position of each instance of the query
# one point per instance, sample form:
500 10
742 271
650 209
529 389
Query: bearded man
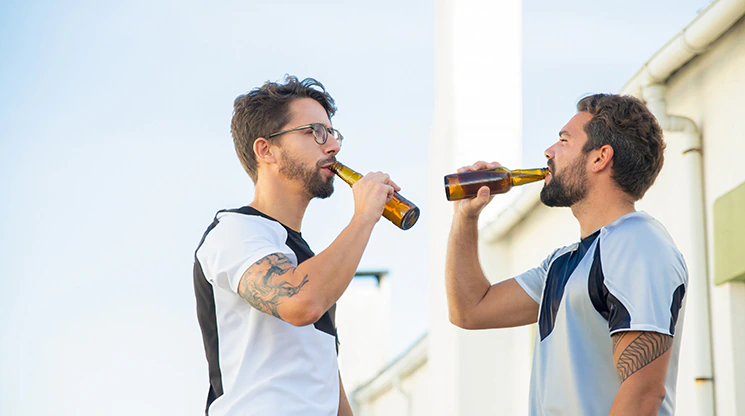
265 302
608 307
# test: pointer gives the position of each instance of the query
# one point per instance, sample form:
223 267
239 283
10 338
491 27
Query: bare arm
641 359
344 408
301 295
473 303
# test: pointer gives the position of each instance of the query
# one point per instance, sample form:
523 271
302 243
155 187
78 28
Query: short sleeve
533 280
645 277
237 242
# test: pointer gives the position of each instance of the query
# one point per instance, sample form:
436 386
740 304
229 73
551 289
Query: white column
477 116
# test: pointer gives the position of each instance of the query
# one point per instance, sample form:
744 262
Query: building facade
695 85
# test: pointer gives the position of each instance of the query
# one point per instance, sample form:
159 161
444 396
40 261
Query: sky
115 153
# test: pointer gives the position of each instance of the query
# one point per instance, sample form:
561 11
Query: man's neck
599 210
282 202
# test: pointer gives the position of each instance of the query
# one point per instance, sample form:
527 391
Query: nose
549 153
332 146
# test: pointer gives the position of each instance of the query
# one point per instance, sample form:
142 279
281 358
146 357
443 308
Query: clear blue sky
115 152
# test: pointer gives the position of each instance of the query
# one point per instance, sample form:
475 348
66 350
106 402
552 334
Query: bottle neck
523 176
348 175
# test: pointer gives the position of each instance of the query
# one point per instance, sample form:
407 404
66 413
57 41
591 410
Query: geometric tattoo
647 347
617 337
261 285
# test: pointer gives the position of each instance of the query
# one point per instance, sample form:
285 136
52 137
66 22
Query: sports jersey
258 363
626 276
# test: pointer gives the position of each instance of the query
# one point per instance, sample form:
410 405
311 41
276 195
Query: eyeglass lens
319 130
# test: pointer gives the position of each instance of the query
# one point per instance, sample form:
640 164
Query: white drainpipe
404 393
693 40
697 295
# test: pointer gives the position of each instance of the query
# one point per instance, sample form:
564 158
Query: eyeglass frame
319 141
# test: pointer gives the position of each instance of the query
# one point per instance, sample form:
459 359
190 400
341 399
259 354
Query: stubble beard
567 188
313 182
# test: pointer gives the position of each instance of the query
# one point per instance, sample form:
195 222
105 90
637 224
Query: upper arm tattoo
617 339
263 286
642 350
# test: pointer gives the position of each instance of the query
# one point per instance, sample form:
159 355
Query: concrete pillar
477 116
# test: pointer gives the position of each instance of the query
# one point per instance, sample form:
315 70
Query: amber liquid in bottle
499 180
398 210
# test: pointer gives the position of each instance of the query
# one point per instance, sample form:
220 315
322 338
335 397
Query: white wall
363 322
411 399
401 389
711 91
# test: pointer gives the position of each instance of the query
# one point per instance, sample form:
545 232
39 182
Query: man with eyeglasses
265 302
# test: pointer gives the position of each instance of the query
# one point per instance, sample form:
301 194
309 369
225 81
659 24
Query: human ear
263 150
603 157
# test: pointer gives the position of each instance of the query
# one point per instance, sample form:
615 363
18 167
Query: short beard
567 188
313 182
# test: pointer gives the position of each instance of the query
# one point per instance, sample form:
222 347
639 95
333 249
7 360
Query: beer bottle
499 180
398 210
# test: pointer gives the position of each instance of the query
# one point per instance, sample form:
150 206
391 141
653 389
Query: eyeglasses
320 133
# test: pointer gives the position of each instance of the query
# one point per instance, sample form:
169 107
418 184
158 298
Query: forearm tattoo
264 288
644 349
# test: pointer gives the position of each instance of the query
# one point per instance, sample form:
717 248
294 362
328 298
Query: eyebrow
564 132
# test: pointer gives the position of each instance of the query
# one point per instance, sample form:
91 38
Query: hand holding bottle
396 208
470 181
472 207
371 193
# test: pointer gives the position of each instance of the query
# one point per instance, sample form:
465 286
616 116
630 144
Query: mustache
325 162
550 164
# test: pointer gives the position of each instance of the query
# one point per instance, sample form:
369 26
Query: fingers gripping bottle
398 210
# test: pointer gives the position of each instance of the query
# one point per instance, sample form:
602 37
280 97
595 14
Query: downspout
397 386
706 28
698 312
715 20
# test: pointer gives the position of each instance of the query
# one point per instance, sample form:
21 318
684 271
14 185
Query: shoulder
253 222
247 225
533 280
237 240
643 274
639 245
640 234
634 222
236 229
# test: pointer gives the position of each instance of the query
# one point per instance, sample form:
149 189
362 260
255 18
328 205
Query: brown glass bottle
499 180
398 210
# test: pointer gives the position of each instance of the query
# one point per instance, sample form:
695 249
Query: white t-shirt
627 276
259 364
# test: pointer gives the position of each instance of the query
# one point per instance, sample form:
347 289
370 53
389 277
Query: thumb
483 194
482 198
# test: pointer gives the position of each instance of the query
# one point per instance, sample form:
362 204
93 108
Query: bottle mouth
410 219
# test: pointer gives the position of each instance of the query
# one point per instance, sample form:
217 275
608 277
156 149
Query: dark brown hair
625 123
265 110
